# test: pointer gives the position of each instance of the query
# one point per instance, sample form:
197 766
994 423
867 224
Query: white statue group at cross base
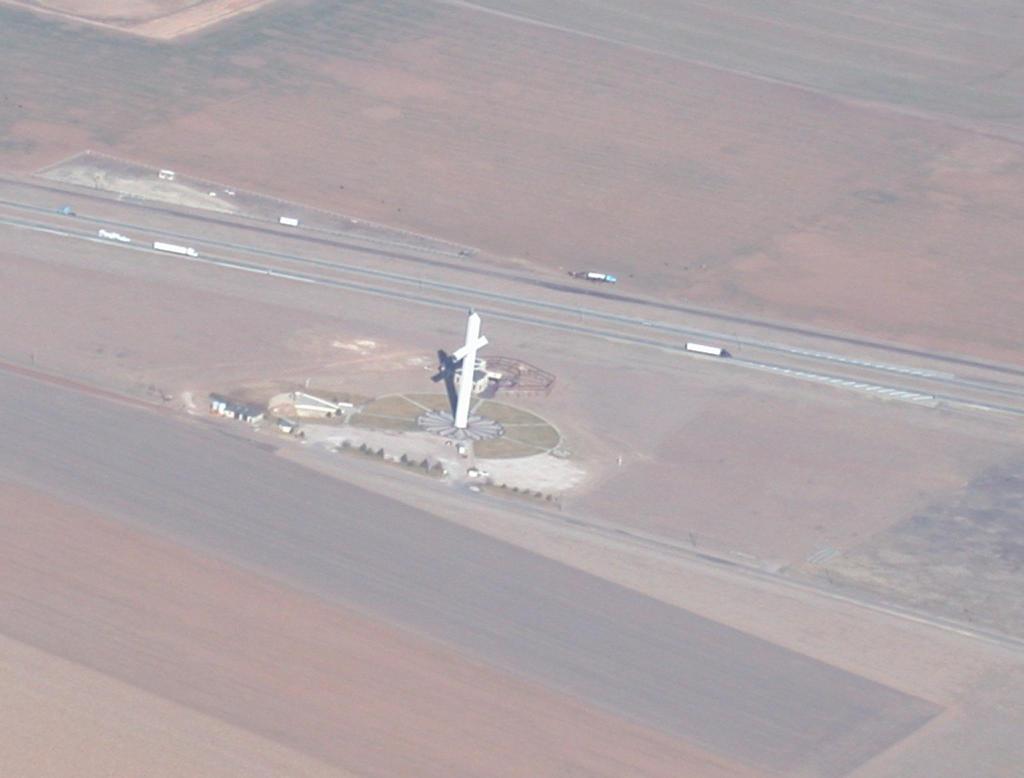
467 353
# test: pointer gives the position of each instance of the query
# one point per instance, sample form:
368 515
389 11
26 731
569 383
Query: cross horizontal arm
460 353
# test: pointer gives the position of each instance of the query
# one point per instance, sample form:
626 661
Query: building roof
231 407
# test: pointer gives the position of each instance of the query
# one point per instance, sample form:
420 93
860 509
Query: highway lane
479 295
653 664
464 268
976 398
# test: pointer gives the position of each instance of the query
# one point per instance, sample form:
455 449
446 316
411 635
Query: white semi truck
173 248
114 236
593 275
711 351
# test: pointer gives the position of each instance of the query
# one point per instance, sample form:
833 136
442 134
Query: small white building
310 406
225 406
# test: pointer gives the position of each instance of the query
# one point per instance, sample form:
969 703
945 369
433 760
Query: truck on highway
114 236
593 275
172 248
711 351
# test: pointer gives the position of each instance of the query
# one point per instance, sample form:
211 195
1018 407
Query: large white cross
474 342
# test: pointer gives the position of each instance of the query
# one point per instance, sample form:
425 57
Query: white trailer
166 175
593 275
114 236
711 351
172 248
288 221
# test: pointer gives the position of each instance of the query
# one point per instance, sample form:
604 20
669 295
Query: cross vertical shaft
474 342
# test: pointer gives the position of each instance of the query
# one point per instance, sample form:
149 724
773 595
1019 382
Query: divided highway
989 387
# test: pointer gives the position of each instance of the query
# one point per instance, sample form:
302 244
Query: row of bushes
428 466
529 493
435 468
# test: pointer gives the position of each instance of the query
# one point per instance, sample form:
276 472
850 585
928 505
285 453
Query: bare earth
710 428
857 168
109 727
289 684
666 668
972 537
157 19
164 310
836 198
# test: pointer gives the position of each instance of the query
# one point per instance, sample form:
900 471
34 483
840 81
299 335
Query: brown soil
775 470
61 718
693 439
77 316
160 19
155 337
688 182
304 680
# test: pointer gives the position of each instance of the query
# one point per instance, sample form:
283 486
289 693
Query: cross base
477 428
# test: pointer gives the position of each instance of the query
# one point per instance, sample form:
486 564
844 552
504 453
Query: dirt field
675 672
150 323
962 556
852 169
154 338
159 19
929 58
142 733
570 150
304 688
691 436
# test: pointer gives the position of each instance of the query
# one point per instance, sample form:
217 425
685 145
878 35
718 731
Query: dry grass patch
383 422
433 402
393 405
541 436
506 414
504 448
